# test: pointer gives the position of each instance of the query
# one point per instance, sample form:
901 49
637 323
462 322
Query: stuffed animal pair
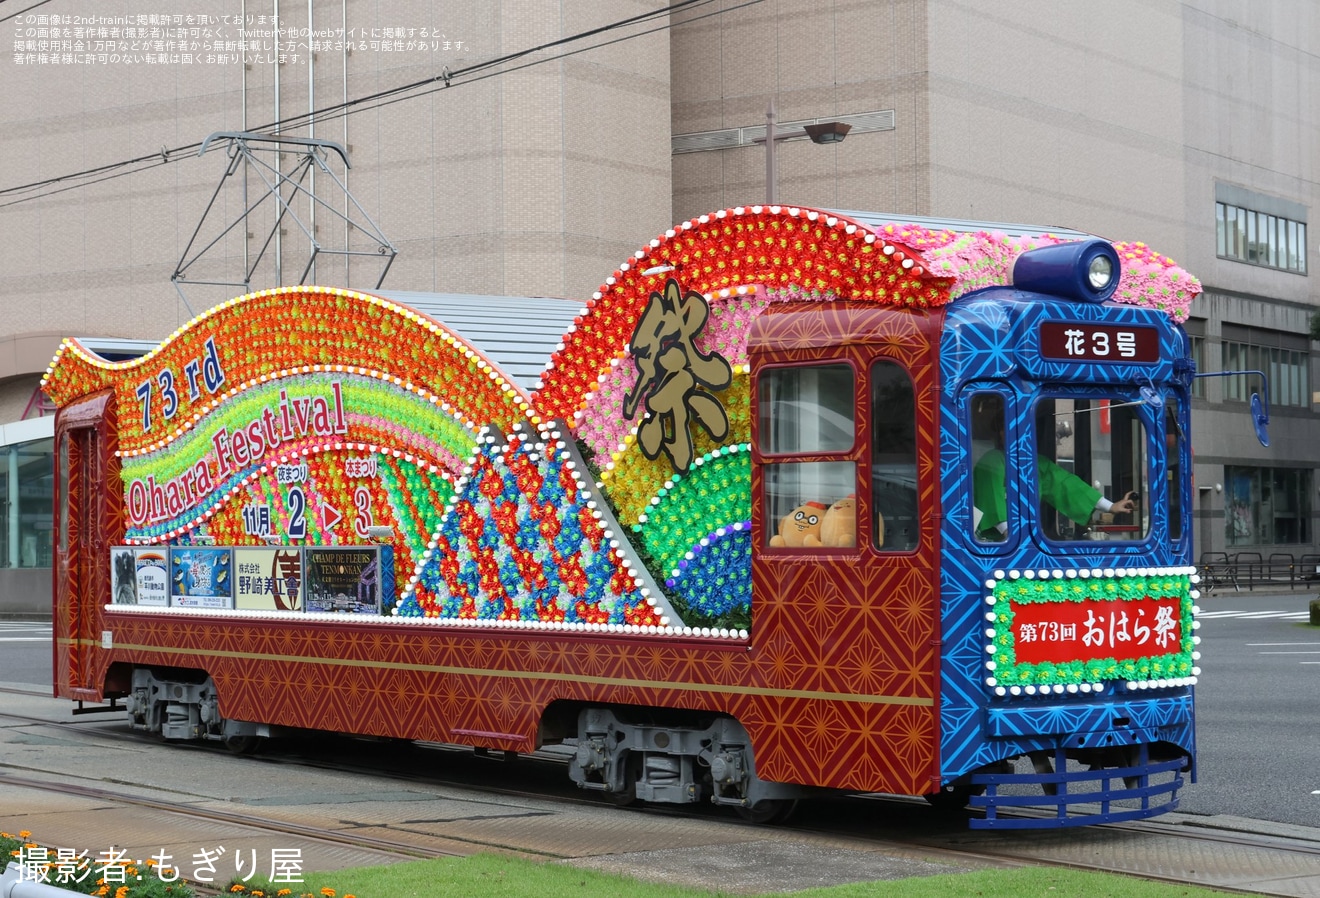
812 525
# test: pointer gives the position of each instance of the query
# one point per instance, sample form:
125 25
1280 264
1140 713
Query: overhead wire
436 88
21 11
447 76
380 99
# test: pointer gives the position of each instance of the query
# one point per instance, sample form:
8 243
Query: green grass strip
492 876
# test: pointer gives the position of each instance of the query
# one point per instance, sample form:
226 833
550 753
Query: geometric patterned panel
521 543
859 619
820 711
991 343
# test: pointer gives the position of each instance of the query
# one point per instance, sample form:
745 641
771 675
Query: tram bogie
184 706
670 763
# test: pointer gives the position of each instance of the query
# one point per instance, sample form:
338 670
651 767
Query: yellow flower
282 892
328 892
238 887
24 833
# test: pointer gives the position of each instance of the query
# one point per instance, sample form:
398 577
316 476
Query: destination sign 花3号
1086 341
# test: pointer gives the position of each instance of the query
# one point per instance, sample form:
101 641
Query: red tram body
838 674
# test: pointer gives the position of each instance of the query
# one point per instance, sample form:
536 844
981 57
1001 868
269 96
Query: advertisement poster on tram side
139 576
268 579
201 578
343 579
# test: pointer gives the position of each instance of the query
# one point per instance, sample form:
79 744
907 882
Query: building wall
1251 79
816 61
25 593
1059 114
532 182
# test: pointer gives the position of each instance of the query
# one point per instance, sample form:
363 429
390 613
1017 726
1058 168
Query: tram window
1173 441
806 409
64 522
1092 467
989 489
893 458
797 495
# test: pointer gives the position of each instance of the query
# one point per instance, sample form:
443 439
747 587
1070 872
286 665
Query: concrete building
525 149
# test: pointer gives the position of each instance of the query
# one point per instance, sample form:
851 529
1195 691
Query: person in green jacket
1062 490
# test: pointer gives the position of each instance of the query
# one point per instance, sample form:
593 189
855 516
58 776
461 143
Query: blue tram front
1066 586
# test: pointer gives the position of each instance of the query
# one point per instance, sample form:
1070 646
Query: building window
1259 238
1267 506
1288 372
1198 356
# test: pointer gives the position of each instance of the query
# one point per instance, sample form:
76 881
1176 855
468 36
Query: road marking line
1252 615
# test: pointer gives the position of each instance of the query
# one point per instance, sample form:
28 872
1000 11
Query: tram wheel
770 811
950 798
628 794
243 745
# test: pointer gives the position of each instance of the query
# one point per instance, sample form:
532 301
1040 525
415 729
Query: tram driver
1062 490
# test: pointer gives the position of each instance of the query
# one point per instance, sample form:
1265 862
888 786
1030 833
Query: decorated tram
800 501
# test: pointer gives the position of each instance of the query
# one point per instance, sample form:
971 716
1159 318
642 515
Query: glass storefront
27 496
1266 506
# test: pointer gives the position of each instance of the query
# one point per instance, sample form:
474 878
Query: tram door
844 596
86 505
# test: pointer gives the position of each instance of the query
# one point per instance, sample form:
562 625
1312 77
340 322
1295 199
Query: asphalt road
1258 710
25 653
1258 704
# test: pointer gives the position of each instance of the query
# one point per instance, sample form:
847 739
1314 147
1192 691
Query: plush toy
800 527
839 526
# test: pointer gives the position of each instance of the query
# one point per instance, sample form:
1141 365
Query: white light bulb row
830 221
380 620
1056 689
664 629
1093 573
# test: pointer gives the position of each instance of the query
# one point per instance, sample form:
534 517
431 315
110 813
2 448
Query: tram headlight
1085 271
1099 273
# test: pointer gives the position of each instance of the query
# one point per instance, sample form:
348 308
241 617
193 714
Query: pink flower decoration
985 259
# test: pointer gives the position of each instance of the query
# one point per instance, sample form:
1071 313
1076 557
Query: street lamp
823 132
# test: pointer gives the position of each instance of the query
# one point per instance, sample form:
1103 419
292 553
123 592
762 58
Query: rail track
1175 849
